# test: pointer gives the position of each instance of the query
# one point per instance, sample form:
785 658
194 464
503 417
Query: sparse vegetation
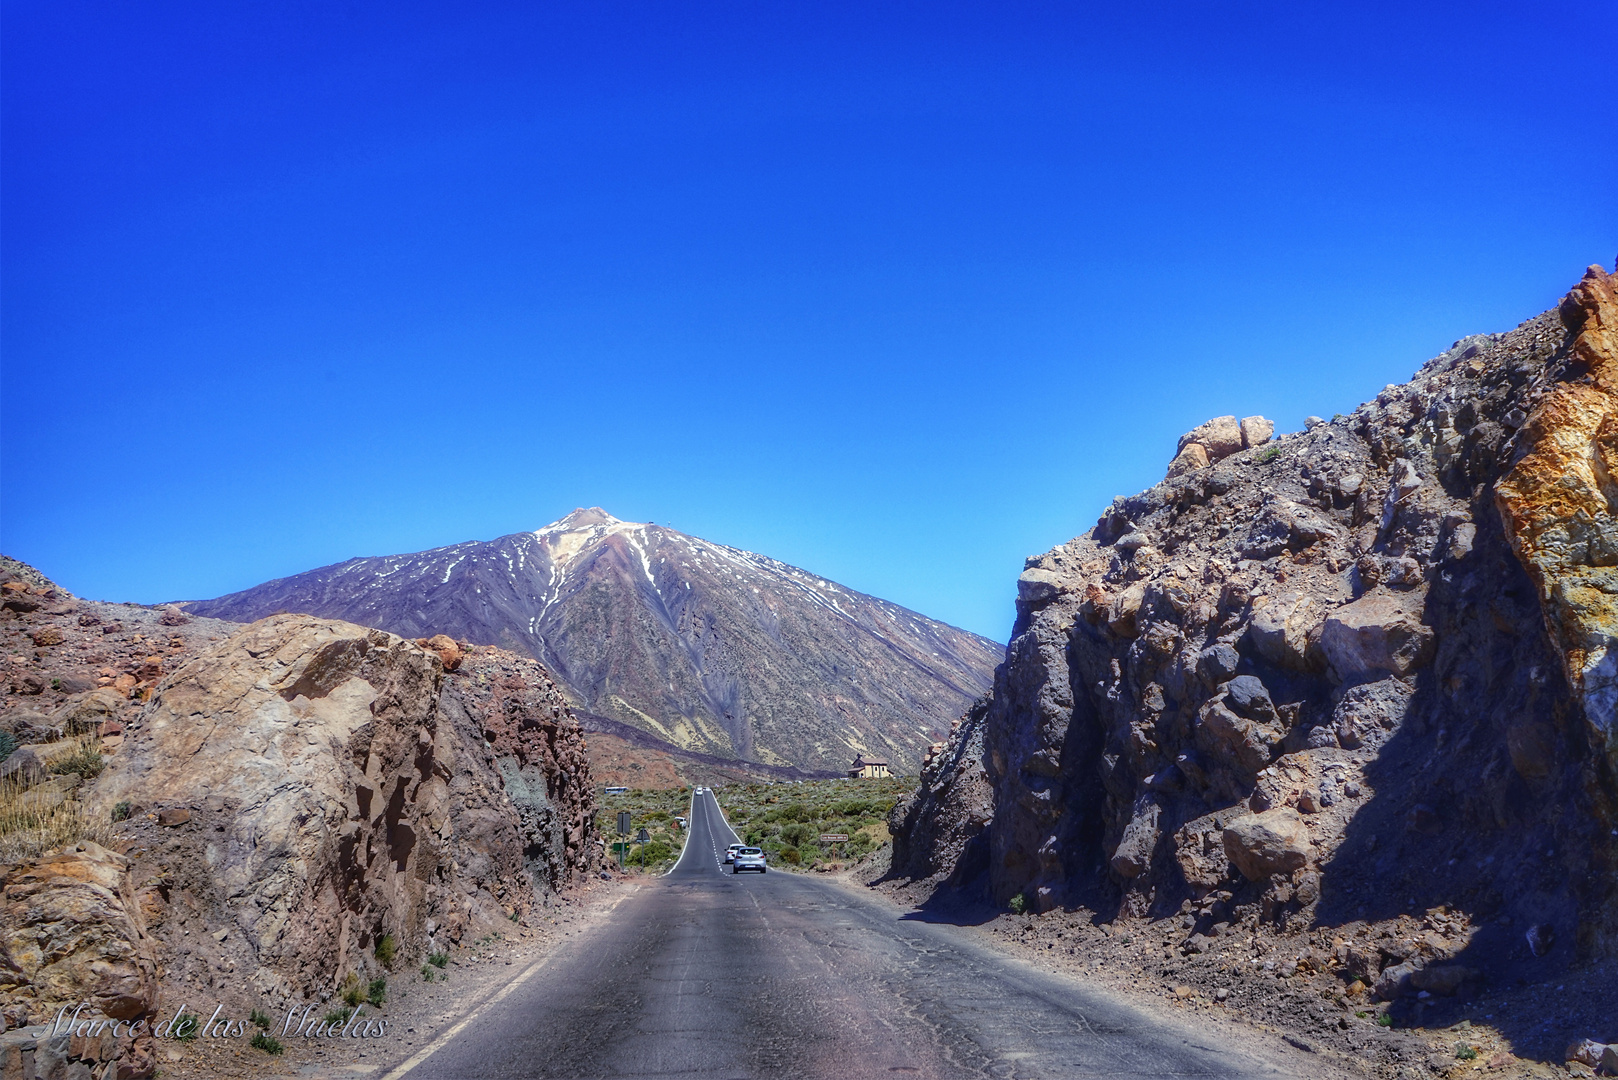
85 761
1466 1052
338 1017
31 824
187 1026
386 950
1019 904
266 1042
377 992
787 820
1384 1020
438 959
260 1019
426 973
8 744
1267 455
122 811
353 991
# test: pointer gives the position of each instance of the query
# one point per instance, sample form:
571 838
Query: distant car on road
749 858
730 852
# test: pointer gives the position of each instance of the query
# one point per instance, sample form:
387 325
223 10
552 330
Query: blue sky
899 293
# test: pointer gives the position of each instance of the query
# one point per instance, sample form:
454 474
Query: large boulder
71 931
1273 842
1379 634
314 747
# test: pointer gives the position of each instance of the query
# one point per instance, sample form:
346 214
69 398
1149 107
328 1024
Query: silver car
749 858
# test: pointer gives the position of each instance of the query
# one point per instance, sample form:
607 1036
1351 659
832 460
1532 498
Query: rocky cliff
704 648
311 787
1345 675
290 804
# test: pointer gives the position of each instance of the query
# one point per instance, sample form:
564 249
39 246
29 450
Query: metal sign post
643 836
834 838
623 830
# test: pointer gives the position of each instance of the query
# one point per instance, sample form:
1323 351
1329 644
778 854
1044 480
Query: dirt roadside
417 1012
1286 991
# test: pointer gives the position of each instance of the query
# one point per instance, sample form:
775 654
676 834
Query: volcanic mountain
712 650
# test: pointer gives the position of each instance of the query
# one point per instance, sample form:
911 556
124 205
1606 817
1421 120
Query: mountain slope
706 647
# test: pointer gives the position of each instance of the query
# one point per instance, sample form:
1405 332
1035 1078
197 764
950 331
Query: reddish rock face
1557 503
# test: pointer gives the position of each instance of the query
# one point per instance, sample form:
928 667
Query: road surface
708 975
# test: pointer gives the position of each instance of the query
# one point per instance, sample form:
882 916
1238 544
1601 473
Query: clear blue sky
899 293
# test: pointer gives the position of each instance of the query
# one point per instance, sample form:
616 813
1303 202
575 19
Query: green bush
338 1017
1267 455
259 1019
1384 1020
8 744
353 992
426 973
797 835
377 992
122 811
266 1042
187 1026
791 856
438 959
1019 904
386 950
1465 1052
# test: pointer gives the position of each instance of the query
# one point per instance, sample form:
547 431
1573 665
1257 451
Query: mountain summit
704 647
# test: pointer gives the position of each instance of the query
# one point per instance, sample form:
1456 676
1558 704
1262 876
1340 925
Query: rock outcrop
310 788
1346 674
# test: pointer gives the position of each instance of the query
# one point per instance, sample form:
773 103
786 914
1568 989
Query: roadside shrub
1465 1052
86 761
791 856
259 1019
426 973
386 950
187 1026
338 1017
1019 904
352 993
797 835
266 1042
438 959
377 992
122 811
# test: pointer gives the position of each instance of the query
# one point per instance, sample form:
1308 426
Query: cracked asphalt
706 974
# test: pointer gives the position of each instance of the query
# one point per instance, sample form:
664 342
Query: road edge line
415 1060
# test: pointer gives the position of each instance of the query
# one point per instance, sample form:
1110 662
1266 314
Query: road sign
623 823
643 836
834 838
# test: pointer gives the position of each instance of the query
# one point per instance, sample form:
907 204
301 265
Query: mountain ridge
707 647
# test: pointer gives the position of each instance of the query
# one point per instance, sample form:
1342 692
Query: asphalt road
713 976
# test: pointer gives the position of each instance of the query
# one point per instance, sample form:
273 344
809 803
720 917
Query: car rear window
752 851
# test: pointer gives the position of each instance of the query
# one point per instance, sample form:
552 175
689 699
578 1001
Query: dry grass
30 826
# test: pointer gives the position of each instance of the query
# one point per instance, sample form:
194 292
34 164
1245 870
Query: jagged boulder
1381 633
1273 842
71 931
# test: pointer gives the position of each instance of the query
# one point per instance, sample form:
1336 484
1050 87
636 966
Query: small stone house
865 768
